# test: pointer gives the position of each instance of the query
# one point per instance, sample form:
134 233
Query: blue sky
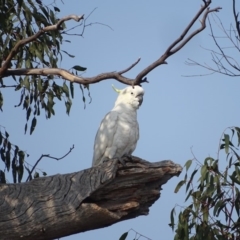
178 113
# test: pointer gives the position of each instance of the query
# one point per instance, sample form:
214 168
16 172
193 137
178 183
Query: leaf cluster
214 209
21 20
12 157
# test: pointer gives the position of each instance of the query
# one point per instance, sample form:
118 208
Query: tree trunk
61 205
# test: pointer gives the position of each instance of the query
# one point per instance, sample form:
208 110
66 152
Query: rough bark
61 205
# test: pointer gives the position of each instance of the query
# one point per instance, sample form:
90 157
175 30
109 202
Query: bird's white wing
133 145
103 145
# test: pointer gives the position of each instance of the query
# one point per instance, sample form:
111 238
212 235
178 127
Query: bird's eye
131 92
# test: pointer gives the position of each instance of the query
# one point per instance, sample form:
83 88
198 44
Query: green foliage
12 157
124 236
21 20
213 211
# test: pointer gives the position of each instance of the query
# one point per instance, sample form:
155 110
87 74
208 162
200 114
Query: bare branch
174 47
130 67
66 32
236 19
220 48
48 156
71 77
179 43
23 42
224 63
6 86
213 70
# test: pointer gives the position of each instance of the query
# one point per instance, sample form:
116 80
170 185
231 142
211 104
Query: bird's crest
115 89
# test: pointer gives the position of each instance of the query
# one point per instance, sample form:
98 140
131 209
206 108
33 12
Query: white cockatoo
118 133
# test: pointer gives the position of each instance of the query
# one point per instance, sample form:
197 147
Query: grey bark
61 205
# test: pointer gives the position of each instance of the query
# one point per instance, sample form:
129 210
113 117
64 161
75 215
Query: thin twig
220 49
5 86
224 64
130 67
48 156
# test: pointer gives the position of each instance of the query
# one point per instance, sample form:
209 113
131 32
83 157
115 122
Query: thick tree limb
71 77
60 205
178 44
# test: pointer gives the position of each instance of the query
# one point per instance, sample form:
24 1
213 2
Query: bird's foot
128 156
120 160
106 159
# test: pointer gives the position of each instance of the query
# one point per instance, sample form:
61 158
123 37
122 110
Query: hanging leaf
2 154
1 101
79 68
172 218
33 125
26 83
65 89
2 177
14 173
8 160
68 105
25 128
124 236
72 89
18 87
21 156
1 138
72 56
6 134
28 112
226 140
56 9
188 164
20 173
180 184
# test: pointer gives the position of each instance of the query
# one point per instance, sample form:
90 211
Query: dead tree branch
60 205
69 76
178 44
224 63
47 156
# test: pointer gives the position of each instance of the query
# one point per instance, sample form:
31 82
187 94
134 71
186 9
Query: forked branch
181 41
178 44
47 156
224 63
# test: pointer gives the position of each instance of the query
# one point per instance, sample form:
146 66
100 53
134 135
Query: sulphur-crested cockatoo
118 133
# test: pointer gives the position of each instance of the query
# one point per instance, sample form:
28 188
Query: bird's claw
106 159
120 160
128 156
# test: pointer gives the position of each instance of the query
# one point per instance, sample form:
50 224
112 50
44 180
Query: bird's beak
140 99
